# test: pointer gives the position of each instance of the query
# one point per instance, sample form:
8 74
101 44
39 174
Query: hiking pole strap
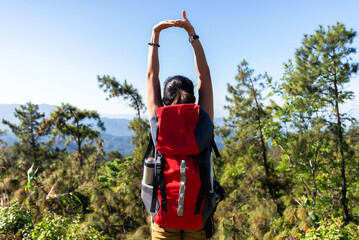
215 149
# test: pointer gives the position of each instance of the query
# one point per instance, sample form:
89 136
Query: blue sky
52 51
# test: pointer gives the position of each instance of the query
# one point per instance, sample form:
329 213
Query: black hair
178 90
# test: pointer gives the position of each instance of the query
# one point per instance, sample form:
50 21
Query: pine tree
248 174
30 121
248 116
74 125
2 132
351 139
129 178
125 90
323 67
300 131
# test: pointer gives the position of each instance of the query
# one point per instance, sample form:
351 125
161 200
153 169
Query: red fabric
172 176
177 142
177 125
166 220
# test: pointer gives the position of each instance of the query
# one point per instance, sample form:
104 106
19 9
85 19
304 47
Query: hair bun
186 97
178 90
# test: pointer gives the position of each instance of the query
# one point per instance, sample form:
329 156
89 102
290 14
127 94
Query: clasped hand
182 23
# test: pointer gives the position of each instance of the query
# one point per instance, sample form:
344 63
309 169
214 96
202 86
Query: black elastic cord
215 149
149 147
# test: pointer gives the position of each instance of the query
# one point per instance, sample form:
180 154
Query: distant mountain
117 127
121 144
7 112
117 136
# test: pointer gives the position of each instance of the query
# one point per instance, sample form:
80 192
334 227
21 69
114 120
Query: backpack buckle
158 164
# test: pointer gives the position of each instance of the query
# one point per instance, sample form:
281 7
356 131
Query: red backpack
178 189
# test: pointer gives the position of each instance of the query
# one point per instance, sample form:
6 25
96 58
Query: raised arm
153 81
205 91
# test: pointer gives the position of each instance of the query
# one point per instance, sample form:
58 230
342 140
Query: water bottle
148 171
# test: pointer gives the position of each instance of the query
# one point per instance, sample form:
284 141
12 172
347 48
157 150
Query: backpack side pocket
146 195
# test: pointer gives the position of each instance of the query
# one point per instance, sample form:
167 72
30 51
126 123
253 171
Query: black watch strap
192 38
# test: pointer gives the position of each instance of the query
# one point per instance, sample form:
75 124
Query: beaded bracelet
154 44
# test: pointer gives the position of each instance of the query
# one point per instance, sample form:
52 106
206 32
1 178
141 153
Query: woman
178 90
205 92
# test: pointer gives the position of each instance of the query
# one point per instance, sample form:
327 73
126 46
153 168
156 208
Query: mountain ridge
117 136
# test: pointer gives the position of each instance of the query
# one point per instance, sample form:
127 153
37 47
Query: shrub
15 221
333 229
58 227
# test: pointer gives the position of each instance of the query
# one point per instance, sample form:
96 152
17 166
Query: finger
168 22
184 14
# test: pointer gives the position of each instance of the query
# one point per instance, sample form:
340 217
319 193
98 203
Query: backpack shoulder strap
158 177
205 185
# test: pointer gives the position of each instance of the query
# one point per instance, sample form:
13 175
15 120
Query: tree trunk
269 182
79 142
80 153
343 200
263 145
313 167
264 148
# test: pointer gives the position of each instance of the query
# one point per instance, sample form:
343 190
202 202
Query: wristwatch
192 38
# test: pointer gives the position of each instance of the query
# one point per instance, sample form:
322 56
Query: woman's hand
184 23
163 25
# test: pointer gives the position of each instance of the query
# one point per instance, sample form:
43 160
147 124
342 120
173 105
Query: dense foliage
289 163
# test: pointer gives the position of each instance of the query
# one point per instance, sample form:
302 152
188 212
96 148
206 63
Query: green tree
30 121
74 125
351 138
125 90
2 132
248 174
248 116
111 156
129 178
323 67
300 132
